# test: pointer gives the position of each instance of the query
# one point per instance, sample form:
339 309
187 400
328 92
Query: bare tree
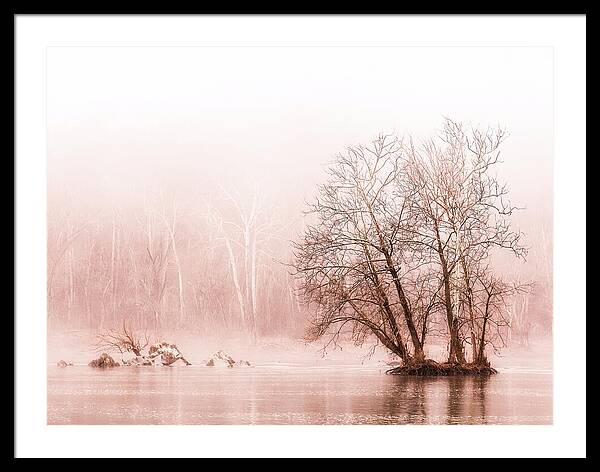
127 340
531 311
154 280
352 262
60 244
171 228
401 234
491 297
244 230
123 340
392 250
151 263
462 212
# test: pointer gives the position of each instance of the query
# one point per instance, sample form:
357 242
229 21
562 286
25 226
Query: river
292 393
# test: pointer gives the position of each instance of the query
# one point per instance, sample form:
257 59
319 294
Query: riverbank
76 346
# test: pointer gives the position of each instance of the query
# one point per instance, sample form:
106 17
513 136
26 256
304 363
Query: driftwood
126 340
122 340
161 353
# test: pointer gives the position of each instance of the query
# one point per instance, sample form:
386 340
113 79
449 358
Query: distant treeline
213 265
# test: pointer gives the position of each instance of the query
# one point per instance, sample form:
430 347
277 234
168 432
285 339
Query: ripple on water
288 394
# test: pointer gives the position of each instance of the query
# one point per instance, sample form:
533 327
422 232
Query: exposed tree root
430 367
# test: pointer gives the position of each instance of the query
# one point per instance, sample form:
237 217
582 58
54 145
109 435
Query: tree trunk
236 283
253 287
386 309
71 296
418 348
481 352
469 296
397 348
179 275
456 353
247 299
113 255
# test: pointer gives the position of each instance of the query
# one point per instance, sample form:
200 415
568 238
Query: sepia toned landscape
300 235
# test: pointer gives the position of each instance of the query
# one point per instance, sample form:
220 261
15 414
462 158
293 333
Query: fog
187 140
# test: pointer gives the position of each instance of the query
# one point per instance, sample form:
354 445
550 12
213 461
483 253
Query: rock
220 359
162 347
159 354
137 360
179 361
104 361
62 363
165 354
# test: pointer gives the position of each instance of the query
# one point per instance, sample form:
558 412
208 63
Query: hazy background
193 124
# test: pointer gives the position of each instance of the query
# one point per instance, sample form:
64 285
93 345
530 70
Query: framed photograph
249 236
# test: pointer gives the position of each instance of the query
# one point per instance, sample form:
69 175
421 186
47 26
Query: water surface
293 394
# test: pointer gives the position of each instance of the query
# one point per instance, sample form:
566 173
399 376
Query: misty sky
121 118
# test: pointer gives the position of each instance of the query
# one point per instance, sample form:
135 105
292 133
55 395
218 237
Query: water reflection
466 400
450 400
408 399
479 389
83 395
